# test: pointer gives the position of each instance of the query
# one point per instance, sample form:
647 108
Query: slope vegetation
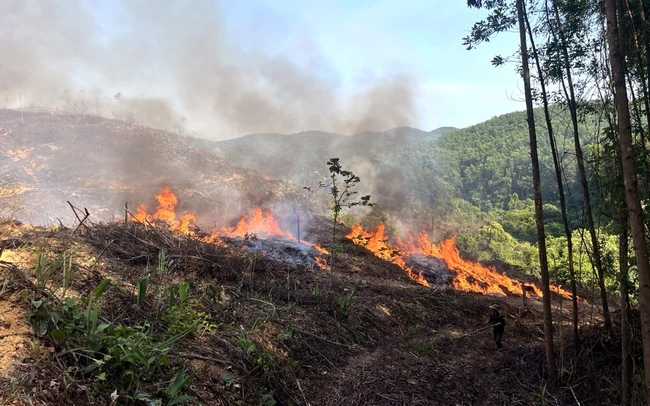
227 326
485 164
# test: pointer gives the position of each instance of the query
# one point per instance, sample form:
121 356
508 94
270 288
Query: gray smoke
177 67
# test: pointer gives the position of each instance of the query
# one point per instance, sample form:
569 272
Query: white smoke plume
176 66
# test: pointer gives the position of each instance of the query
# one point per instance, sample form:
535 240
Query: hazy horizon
222 69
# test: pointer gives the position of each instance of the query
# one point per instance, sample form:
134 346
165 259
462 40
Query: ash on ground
434 270
280 249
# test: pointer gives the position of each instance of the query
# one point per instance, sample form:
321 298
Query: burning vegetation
411 253
259 224
469 276
208 301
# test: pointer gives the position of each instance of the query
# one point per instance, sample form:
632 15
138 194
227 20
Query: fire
183 226
377 243
165 212
474 277
422 245
259 222
470 276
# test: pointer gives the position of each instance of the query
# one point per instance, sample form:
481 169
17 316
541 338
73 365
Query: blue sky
351 43
373 38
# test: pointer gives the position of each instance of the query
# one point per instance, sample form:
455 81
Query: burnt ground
101 163
363 334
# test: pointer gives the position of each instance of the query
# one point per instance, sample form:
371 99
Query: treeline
593 60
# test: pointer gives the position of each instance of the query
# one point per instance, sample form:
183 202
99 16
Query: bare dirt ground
364 334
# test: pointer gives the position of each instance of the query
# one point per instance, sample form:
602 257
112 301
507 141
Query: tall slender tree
568 87
626 334
613 10
537 186
560 183
502 18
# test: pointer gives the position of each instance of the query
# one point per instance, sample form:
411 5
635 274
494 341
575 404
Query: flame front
259 222
422 245
470 276
165 212
474 277
377 243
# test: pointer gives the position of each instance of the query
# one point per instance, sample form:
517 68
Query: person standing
499 325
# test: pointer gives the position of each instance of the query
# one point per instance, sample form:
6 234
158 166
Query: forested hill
298 157
486 164
412 170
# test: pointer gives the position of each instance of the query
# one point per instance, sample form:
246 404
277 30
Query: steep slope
258 330
101 163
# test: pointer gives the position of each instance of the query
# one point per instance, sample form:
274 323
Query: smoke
179 66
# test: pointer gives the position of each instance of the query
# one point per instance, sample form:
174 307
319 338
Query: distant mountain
301 158
101 163
487 164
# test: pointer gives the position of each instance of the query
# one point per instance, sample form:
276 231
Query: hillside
244 328
250 308
413 171
100 164
301 158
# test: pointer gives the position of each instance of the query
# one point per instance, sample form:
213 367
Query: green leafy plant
342 305
142 289
164 264
342 194
183 291
246 344
172 393
49 267
97 349
184 316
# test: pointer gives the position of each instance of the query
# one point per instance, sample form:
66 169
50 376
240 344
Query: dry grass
364 335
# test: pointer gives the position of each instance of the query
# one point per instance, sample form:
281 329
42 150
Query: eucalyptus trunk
635 214
539 214
626 334
560 186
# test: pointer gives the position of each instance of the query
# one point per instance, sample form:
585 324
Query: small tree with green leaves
343 194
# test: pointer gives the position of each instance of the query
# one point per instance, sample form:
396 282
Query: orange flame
167 202
377 243
422 245
474 277
260 222
470 276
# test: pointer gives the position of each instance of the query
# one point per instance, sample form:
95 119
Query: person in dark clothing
499 324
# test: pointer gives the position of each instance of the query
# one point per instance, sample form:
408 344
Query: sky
363 39
233 67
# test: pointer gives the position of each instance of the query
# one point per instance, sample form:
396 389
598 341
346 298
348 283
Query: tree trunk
560 187
539 215
573 110
626 335
616 57
642 73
